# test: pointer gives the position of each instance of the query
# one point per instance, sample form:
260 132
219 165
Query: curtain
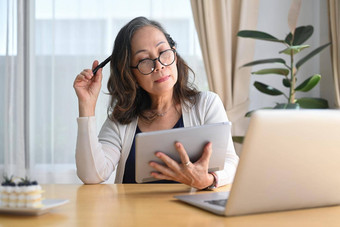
13 89
43 46
217 23
334 17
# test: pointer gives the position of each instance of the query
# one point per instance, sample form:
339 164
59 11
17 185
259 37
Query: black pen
101 65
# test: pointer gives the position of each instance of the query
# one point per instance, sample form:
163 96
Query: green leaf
248 114
264 61
312 103
301 35
296 49
238 139
258 35
309 83
311 54
286 82
264 88
287 106
280 71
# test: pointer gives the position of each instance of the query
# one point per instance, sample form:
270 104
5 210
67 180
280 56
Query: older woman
149 91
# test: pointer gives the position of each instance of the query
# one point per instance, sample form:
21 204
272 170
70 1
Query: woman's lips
164 78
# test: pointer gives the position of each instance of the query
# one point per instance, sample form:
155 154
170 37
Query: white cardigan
97 157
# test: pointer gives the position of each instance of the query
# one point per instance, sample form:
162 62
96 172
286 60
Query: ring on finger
187 163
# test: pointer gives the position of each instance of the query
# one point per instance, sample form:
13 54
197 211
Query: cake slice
25 193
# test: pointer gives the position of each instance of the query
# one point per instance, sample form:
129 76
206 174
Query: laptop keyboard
218 202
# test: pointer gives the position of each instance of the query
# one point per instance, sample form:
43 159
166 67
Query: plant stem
292 79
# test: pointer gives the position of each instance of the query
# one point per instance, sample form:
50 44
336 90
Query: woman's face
149 42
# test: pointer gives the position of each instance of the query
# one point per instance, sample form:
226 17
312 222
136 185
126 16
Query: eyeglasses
147 65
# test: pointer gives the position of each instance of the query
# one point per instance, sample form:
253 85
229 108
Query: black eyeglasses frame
154 61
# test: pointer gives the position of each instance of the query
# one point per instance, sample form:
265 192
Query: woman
149 91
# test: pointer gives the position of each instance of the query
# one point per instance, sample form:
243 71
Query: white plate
48 204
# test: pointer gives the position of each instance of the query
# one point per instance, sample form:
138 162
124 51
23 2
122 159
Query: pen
101 65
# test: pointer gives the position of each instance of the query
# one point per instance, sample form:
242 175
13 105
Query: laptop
193 139
289 160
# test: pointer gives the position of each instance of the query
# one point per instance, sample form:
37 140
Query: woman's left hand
192 174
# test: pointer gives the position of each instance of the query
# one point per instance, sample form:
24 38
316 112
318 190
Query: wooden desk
152 205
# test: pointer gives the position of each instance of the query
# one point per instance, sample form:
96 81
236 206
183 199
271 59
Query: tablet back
193 139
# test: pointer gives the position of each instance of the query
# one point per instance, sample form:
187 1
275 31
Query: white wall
273 19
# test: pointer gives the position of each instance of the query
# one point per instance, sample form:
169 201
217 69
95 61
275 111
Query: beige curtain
334 11
217 23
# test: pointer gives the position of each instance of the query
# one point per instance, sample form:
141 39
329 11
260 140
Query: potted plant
288 71
293 44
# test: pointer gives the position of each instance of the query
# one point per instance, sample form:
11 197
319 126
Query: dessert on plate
21 194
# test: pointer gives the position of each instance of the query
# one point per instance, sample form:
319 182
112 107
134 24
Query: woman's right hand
87 87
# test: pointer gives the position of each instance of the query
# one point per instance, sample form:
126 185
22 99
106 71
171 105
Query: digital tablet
193 139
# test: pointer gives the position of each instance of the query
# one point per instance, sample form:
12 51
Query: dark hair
127 99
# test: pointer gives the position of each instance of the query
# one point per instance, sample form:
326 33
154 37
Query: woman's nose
158 65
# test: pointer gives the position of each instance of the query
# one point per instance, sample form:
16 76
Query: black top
130 165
